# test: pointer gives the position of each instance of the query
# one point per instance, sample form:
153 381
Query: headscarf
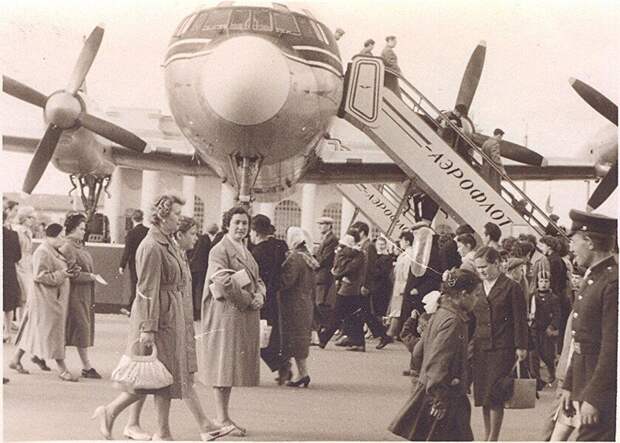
296 237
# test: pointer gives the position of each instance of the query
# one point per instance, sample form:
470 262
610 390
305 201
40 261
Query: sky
533 48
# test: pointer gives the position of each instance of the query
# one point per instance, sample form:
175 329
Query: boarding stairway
405 129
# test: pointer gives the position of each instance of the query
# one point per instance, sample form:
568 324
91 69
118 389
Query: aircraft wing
164 156
373 166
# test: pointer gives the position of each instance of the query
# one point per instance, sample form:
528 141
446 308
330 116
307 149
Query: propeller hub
62 110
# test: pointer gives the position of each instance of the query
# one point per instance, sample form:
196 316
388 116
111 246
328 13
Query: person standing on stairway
491 149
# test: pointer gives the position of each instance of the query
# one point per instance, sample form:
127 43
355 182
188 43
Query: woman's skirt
491 371
414 422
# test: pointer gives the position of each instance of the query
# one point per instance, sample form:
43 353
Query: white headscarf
296 235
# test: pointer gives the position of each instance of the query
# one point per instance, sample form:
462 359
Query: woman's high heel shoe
105 422
304 381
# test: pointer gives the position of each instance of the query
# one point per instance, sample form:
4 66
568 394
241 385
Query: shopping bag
265 333
141 371
524 391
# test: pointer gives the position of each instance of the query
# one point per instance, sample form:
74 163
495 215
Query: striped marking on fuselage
317 49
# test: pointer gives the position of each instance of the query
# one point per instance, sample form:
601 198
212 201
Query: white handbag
141 372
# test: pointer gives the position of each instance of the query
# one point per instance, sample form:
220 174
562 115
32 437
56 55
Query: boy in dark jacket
544 321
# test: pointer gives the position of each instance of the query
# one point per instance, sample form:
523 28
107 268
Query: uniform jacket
325 256
132 240
591 374
349 266
501 317
443 351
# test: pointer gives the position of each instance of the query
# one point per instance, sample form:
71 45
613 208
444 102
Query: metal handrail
463 136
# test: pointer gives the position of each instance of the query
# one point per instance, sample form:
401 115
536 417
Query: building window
199 212
334 210
287 214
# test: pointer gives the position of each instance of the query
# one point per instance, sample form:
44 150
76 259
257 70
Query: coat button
580 297
590 282
572 332
575 315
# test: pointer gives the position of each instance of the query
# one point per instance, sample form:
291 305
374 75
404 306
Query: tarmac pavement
352 396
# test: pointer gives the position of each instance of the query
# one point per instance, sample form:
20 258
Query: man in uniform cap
590 384
325 294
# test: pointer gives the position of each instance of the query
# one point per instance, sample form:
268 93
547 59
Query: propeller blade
85 60
42 157
605 188
471 77
513 151
23 92
598 101
112 132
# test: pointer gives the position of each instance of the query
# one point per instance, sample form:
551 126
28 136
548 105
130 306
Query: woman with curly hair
439 409
228 343
158 319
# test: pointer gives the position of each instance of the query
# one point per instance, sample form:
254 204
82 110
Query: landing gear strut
245 172
90 189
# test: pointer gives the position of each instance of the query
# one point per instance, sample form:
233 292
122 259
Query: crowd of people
470 310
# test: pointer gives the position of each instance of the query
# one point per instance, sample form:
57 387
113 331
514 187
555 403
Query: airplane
262 124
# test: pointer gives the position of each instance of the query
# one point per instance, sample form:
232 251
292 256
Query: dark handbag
523 392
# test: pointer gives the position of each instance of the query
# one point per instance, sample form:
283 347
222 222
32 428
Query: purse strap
142 358
516 366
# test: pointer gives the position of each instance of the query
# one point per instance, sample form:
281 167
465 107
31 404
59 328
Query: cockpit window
306 28
217 19
319 32
198 23
261 20
240 20
285 23
184 25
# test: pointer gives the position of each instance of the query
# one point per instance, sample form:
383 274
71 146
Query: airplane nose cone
247 81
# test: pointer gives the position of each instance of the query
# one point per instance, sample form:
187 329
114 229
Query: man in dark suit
132 240
198 264
325 294
591 378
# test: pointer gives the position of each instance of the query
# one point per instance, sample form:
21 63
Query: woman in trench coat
80 330
157 317
43 332
228 341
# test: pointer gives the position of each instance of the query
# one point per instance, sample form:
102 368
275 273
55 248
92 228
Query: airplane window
198 23
184 25
217 19
240 20
327 33
261 20
305 27
285 23
319 32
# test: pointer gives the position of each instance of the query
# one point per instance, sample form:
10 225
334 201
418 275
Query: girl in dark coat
438 409
381 278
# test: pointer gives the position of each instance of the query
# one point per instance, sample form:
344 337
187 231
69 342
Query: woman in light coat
157 318
401 273
80 331
43 332
296 302
25 219
228 343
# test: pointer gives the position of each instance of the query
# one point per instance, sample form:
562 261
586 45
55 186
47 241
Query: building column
228 195
308 198
347 215
150 191
113 206
189 192
268 209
